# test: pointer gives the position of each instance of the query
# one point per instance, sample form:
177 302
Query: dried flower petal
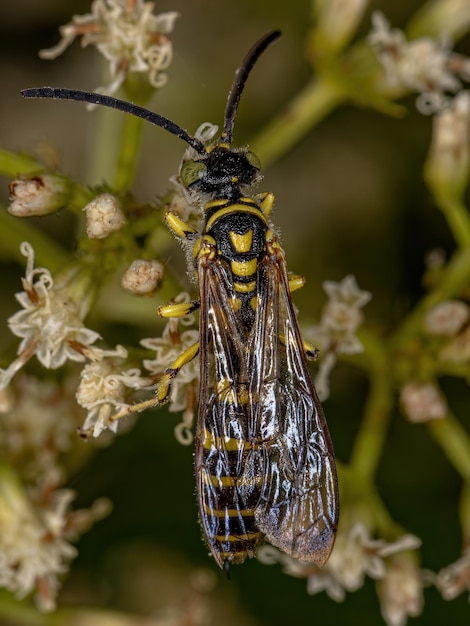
103 216
142 276
39 195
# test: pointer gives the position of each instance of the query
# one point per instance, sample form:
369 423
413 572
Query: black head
221 171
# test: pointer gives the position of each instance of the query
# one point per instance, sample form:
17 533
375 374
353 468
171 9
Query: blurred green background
350 200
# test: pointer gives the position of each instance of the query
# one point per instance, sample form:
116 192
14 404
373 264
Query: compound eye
192 172
253 160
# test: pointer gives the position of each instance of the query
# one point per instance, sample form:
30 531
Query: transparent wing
298 506
227 493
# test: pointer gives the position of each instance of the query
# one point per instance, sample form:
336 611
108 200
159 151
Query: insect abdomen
229 497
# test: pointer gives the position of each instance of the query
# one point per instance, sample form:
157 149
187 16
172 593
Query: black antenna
59 93
242 74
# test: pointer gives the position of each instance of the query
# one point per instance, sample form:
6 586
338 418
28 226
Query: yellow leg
164 387
310 351
178 310
296 282
180 228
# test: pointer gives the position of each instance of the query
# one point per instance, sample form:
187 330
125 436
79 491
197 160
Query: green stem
464 510
455 442
311 105
370 440
457 216
129 153
12 164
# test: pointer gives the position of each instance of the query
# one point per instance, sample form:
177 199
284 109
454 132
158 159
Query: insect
264 462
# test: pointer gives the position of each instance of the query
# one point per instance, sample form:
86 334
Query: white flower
455 578
39 425
102 390
335 334
422 65
33 551
166 351
422 402
127 34
36 526
355 555
447 318
341 316
50 322
447 165
400 591
183 394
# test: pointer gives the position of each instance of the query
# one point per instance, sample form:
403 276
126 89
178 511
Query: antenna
60 93
242 74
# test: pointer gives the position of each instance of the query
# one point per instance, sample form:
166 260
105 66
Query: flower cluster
423 65
37 523
102 389
356 555
183 395
51 320
128 35
336 333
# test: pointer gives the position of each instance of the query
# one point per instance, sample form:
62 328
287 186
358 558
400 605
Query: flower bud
448 162
142 276
400 591
422 402
103 216
447 318
39 195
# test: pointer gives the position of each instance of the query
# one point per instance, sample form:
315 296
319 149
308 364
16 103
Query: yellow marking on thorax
234 208
241 243
244 268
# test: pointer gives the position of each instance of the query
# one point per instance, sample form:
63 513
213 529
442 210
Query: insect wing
298 506
227 493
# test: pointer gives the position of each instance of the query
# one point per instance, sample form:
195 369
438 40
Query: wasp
264 462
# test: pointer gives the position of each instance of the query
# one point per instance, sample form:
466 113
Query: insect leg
185 357
296 282
178 310
179 227
163 390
